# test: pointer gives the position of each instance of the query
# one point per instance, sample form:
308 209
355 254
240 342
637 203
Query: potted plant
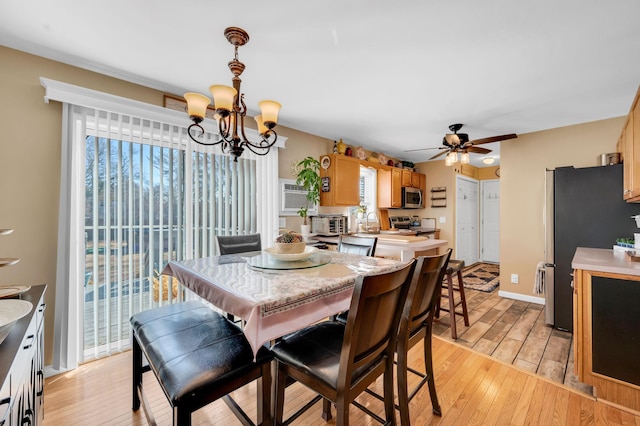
308 176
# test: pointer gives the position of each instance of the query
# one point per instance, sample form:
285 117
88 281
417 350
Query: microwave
411 198
329 225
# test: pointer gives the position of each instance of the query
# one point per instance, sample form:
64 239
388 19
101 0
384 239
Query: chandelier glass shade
230 110
452 158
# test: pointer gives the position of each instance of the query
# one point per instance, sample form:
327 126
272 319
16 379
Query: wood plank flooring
472 388
514 332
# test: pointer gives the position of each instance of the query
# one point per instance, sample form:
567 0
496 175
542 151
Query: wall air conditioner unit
292 198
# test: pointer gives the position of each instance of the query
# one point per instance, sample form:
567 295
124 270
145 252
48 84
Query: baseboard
523 297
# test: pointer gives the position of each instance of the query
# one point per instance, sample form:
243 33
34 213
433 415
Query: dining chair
232 244
198 356
340 361
365 246
415 326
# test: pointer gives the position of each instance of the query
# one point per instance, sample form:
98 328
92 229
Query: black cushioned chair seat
194 350
316 350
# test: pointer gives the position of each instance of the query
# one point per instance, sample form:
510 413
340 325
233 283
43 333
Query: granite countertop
604 260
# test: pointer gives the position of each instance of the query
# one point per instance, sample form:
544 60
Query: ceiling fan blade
422 149
478 150
438 155
494 139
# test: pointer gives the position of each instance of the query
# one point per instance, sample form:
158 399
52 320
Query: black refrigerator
588 211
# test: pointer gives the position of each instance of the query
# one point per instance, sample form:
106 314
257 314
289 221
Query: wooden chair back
423 293
372 326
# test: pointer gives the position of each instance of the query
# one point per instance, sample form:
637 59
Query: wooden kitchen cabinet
410 178
343 186
423 188
389 188
606 329
629 145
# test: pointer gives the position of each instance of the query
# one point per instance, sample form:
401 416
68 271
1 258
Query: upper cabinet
411 179
629 145
389 188
341 180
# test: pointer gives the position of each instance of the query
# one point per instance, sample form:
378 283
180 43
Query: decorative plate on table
291 257
10 312
9 291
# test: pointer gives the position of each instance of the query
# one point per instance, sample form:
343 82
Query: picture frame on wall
180 104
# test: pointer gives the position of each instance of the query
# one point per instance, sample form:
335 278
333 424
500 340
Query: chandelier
230 110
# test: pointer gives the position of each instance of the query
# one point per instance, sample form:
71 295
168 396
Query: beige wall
523 162
522 165
30 174
30 164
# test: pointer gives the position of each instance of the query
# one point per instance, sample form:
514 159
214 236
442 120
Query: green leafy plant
308 176
289 237
626 242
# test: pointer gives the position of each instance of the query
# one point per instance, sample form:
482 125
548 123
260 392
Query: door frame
457 212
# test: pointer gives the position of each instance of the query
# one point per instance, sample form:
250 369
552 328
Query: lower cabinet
22 366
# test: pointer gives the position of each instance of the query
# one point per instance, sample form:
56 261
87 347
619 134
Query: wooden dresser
22 366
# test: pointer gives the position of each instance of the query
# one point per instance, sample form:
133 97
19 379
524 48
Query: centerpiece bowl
289 242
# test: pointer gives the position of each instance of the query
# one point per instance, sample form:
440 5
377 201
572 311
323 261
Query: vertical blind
136 193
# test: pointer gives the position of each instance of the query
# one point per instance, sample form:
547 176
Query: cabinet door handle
31 337
5 401
40 382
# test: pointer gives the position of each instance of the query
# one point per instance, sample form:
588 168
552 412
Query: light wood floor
514 332
472 388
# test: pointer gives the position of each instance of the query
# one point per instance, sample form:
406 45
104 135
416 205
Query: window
135 193
368 188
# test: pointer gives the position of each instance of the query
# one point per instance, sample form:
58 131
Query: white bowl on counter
11 310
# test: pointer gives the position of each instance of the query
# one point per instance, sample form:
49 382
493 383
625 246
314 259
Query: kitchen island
606 319
404 247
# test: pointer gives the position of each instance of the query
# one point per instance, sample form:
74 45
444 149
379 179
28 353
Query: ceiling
390 76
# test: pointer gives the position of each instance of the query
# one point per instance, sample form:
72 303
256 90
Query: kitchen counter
604 260
606 288
393 244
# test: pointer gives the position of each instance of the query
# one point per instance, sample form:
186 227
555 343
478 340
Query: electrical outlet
514 278
443 219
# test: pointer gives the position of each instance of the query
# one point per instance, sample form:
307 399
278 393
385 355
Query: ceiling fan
459 142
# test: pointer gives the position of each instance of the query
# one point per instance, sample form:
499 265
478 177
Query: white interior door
467 220
490 221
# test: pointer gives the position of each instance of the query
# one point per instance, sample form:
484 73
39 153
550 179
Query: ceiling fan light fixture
488 160
464 158
451 159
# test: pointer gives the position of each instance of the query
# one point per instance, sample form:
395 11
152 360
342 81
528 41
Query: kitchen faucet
366 221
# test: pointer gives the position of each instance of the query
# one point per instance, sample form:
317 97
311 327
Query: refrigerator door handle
571 275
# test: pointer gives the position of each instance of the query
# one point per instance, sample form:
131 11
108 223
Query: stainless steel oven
411 198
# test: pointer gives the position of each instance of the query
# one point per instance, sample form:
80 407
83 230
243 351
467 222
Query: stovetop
402 222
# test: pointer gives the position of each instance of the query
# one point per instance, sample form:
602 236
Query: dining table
275 295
